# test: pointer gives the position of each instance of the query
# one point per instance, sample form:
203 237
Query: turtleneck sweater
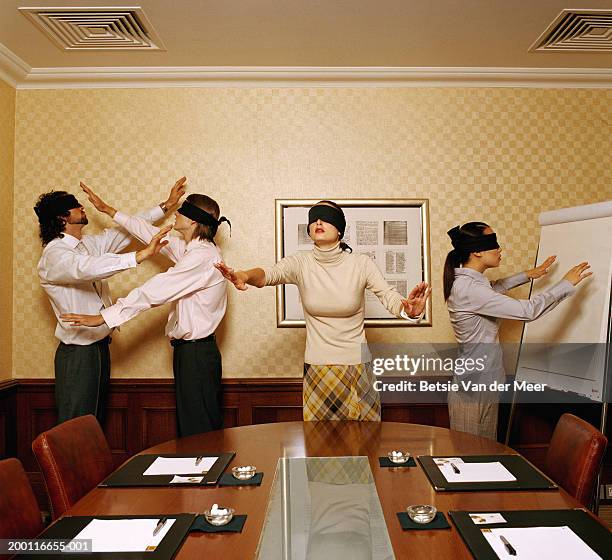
332 286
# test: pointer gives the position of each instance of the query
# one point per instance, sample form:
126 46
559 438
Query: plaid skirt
340 393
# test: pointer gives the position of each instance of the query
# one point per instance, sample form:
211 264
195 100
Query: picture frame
394 232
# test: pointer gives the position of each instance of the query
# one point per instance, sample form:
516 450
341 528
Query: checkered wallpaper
500 155
7 144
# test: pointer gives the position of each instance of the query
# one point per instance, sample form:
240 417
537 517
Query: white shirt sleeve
405 315
503 285
113 240
485 301
187 276
67 266
144 231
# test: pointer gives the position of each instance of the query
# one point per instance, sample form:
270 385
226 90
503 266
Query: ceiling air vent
577 31
96 29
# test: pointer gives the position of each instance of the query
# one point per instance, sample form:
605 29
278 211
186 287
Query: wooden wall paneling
266 414
4 434
428 414
277 406
116 426
157 414
266 400
231 409
158 424
8 419
230 416
35 414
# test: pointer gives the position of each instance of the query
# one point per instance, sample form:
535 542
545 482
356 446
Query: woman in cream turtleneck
338 381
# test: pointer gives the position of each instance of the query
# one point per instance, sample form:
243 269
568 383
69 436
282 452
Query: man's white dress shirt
194 287
73 273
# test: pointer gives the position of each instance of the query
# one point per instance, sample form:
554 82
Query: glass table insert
324 507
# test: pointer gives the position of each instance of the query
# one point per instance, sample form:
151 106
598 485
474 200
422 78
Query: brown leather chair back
73 457
574 457
20 516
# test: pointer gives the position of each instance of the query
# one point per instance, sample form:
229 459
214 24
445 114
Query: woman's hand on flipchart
77 320
578 273
236 277
542 269
414 304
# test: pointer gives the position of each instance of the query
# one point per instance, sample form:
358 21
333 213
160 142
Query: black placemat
439 522
228 479
132 473
66 528
386 462
234 526
527 476
587 527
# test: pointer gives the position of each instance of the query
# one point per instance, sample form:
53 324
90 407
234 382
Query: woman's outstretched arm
242 278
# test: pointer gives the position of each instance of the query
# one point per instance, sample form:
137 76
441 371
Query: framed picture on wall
393 232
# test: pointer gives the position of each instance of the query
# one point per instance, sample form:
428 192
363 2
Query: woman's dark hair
456 258
50 226
203 202
343 246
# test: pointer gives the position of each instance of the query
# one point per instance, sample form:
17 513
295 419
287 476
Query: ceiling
484 36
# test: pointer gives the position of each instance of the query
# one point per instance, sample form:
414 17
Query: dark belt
181 341
105 340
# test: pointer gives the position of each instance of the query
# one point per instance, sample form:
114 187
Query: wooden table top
262 445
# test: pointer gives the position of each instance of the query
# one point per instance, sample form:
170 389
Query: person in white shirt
72 271
198 294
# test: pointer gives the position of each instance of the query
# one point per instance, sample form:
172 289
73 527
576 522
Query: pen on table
511 550
455 469
199 460
159 525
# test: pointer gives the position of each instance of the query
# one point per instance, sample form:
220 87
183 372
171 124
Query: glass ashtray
398 457
244 473
219 516
422 513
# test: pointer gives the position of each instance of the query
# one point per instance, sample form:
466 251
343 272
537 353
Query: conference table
262 445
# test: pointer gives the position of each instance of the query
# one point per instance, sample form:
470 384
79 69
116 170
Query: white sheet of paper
124 535
477 472
487 518
179 465
186 479
536 543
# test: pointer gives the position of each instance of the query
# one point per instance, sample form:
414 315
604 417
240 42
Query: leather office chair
73 458
574 457
20 516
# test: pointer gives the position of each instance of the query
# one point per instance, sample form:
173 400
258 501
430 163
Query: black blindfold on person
327 214
470 244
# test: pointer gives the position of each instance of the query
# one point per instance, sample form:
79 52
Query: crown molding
21 75
201 76
13 70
